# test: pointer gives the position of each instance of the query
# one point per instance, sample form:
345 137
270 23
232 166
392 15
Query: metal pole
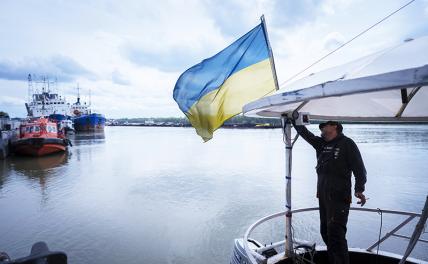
286 123
271 59
392 232
417 232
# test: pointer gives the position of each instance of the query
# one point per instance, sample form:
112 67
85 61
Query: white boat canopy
389 86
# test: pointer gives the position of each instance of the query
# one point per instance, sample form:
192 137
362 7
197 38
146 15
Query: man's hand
362 198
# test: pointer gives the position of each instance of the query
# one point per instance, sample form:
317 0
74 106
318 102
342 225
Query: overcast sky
130 53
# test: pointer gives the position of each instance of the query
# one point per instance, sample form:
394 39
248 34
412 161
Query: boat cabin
39 128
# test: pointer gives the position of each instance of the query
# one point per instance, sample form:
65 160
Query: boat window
36 129
53 129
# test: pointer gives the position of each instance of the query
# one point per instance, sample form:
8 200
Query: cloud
235 17
11 101
118 78
295 13
135 50
178 41
170 60
333 40
64 68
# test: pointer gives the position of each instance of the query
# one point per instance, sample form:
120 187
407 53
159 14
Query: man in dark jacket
337 158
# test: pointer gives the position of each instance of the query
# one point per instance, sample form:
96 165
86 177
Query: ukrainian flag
216 89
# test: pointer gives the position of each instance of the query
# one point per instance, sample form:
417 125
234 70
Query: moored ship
89 122
45 102
83 117
39 137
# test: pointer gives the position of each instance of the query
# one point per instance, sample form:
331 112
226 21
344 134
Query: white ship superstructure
43 102
77 108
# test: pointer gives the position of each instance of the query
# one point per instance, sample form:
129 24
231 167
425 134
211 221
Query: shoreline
246 126
252 126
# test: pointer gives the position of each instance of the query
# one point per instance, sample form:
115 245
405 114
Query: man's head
330 130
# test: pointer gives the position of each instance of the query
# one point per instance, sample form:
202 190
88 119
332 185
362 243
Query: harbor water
160 195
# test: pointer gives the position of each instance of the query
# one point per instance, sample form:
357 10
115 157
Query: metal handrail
255 257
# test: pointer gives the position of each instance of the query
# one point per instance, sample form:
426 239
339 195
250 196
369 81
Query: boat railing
255 255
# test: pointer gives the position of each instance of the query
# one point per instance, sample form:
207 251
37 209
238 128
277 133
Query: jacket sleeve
357 166
315 141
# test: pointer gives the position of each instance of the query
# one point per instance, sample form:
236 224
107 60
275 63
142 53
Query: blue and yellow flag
216 89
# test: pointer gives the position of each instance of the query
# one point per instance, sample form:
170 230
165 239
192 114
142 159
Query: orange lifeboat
40 137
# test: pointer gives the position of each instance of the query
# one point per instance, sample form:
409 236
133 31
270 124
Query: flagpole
286 129
271 59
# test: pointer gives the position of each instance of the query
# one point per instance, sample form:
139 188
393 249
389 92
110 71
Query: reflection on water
87 138
39 170
160 195
38 167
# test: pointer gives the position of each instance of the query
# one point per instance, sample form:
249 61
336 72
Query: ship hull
38 146
57 117
91 122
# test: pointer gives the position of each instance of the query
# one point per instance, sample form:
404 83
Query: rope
346 43
379 211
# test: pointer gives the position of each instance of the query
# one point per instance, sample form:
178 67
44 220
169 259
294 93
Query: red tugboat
39 137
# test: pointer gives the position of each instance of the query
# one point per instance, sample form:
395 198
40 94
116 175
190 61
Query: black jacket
336 161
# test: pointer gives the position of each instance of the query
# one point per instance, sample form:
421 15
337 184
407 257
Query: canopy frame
402 79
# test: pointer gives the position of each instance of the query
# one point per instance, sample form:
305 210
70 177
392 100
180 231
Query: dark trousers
333 220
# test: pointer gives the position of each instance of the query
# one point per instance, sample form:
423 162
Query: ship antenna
78 94
89 96
56 84
43 94
44 84
30 87
48 82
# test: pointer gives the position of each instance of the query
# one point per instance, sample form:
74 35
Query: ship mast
44 85
30 96
48 85
78 94
43 95
55 85
30 88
